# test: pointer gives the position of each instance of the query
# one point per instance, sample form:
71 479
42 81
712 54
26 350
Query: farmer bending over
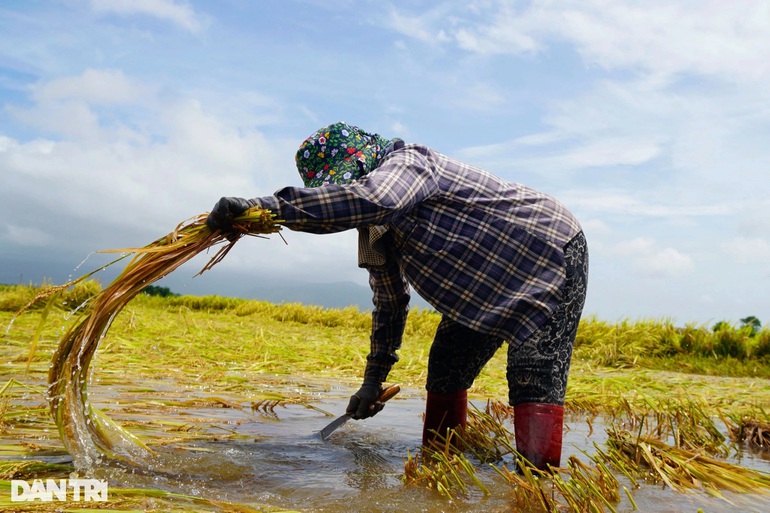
498 260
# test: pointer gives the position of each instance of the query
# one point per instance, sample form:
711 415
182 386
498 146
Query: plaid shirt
484 252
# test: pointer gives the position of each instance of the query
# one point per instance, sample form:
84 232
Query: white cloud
571 155
619 202
421 27
647 259
666 262
728 40
646 119
478 96
634 121
609 151
175 162
78 106
304 257
511 31
744 250
539 139
634 247
96 86
649 151
399 129
181 14
595 227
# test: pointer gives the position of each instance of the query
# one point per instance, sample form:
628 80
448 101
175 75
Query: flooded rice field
264 450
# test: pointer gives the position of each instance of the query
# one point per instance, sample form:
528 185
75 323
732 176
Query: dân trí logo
59 489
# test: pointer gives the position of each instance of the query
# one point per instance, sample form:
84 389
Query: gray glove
225 210
363 404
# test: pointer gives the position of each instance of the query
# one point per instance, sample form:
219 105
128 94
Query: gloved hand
221 216
363 404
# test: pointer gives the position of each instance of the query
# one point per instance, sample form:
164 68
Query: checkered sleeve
384 195
391 305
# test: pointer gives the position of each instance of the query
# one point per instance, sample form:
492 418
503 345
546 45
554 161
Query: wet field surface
229 447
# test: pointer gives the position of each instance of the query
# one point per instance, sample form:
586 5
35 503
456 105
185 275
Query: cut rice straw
88 434
680 469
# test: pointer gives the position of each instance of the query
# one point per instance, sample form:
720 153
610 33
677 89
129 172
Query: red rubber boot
538 429
442 412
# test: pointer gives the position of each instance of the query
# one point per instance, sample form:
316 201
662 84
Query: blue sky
650 120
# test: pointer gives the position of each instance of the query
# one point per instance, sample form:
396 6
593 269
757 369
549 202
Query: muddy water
275 456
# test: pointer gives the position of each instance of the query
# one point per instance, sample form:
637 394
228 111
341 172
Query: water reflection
278 457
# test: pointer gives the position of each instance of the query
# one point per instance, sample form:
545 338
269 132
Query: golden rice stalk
588 488
87 433
755 433
442 469
485 435
529 491
680 469
744 429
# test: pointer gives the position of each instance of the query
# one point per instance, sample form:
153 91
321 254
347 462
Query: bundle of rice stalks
529 491
31 469
692 428
685 421
444 467
576 487
86 432
499 411
485 435
589 488
754 433
680 469
267 406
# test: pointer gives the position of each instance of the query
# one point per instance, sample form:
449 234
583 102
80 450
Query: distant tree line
750 325
153 290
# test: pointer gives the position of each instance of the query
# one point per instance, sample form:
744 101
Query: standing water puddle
227 446
223 449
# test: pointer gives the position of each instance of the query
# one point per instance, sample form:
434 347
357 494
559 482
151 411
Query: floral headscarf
339 153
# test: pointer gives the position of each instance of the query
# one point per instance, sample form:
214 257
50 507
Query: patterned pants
538 368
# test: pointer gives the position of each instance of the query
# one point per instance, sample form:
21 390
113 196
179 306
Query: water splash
87 433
